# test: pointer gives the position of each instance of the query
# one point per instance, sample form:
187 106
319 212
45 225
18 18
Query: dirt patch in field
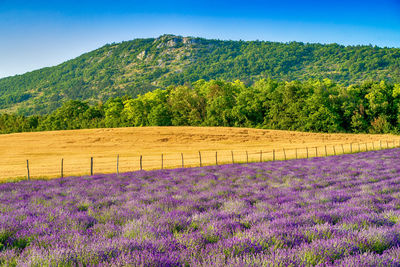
46 149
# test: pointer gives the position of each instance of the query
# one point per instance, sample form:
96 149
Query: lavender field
340 210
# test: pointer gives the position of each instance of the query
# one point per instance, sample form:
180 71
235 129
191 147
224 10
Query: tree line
313 106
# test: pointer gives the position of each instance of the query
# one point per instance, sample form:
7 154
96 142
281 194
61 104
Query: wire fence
63 167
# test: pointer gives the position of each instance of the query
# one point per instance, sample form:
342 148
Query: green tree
221 98
113 112
66 117
187 106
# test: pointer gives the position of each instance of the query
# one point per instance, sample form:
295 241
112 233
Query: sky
36 34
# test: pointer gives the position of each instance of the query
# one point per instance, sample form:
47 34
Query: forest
313 105
142 65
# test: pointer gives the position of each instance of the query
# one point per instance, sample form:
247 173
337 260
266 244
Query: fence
201 158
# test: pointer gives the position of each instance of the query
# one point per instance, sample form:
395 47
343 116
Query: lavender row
340 210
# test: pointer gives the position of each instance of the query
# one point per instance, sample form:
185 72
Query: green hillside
141 65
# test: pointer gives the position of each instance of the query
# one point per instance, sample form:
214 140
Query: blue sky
37 34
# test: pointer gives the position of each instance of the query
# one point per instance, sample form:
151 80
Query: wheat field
44 150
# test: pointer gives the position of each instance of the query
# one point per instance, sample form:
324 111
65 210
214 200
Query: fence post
162 161
380 143
91 166
359 150
273 154
216 157
342 148
27 167
387 144
296 152
307 150
316 151
247 157
351 147
200 158
141 166
183 166
326 152
260 155
117 164
284 153
62 168
366 147
334 150
233 161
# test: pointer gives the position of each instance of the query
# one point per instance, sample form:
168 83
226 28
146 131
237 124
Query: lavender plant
335 211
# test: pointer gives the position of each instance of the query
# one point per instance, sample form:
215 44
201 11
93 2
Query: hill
141 65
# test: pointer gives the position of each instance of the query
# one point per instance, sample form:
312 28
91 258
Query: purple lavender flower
334 211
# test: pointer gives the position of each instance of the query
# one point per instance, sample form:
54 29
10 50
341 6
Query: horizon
177 35
250 40
45 34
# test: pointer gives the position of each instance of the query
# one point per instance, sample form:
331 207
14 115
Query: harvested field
45 149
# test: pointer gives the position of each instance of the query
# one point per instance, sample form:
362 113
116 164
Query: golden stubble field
44 150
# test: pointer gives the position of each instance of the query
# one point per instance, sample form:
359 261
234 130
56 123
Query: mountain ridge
141 65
